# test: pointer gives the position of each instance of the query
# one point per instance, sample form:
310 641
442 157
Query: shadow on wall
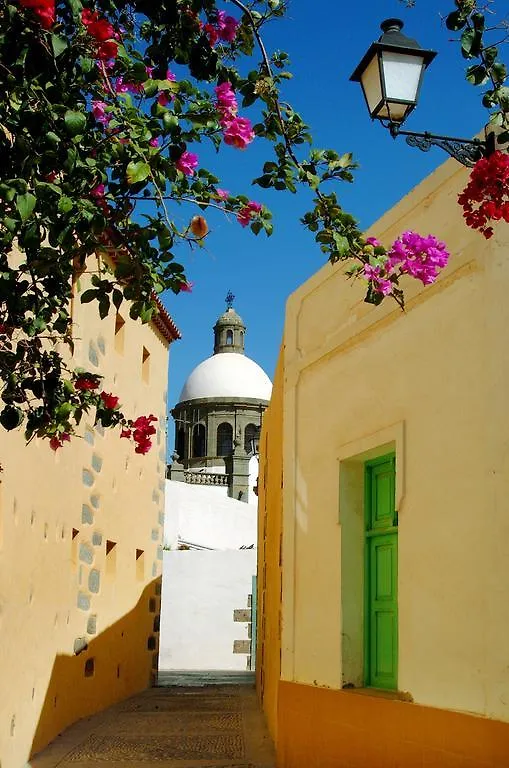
119 662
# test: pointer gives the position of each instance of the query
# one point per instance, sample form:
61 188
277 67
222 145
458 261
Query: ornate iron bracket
465 151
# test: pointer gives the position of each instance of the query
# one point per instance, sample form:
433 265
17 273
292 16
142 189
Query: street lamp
390 74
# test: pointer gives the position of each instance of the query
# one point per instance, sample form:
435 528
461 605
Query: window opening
199 440
224 439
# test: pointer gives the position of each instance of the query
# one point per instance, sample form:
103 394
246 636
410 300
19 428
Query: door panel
381 575
383 610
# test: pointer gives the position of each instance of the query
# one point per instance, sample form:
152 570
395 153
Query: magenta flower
226 27
239 133
223 194
186 287
226 96
120 86
247 212
420 257
99 112
98 191
187 163
154 142
373 241
380 283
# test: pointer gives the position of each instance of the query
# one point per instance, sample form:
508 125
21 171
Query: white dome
227 375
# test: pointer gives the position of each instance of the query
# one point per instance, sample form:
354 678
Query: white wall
203 515
200 592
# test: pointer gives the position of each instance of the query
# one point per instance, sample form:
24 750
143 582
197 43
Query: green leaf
59 44
75 122
65 204
11 417
88 296
499 72
476 74
25 204
455 21
137 171
150 87
470 43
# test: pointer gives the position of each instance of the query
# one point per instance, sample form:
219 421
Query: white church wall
205 516
200 592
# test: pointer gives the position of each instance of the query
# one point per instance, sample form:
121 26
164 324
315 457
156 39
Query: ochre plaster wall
270 488
430 384
320 728
59 590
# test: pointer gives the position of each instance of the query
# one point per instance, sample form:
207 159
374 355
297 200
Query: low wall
201 590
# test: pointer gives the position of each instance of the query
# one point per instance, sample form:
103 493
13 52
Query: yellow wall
430 384
270 485
57 511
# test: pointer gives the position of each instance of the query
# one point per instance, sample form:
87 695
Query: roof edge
164 323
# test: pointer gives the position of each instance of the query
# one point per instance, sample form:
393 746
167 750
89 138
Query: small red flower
84 383
109 401
125 432
486 196
43 9
57 442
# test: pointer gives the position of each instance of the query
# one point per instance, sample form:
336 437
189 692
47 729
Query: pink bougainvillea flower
125 432
239 133
154 142
373 241
186 287
187 163
109 401
247 212
380 282
226 96
99 112
223 194
226 27
120 86
420 257
43 9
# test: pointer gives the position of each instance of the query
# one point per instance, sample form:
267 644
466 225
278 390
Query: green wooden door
381 652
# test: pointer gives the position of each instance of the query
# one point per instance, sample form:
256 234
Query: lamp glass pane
402 73
371 85
394 112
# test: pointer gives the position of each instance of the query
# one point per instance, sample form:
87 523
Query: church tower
219 414
229 330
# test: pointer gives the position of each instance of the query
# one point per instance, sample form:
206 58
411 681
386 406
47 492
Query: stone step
200 677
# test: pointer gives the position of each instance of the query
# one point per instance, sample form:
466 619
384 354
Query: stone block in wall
242 646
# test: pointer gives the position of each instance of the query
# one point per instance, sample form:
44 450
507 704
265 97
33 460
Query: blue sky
325 40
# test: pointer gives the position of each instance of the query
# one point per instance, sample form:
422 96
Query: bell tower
229 330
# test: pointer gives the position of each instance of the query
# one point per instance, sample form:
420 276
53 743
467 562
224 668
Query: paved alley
215 726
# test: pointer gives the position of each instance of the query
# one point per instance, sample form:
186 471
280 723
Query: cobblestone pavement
219 726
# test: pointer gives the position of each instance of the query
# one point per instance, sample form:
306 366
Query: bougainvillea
486 197
105 104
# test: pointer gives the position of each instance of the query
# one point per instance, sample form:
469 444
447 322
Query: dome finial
230 298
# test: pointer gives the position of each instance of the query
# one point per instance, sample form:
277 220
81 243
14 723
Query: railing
205 478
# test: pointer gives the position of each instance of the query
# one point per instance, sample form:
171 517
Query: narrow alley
214 726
